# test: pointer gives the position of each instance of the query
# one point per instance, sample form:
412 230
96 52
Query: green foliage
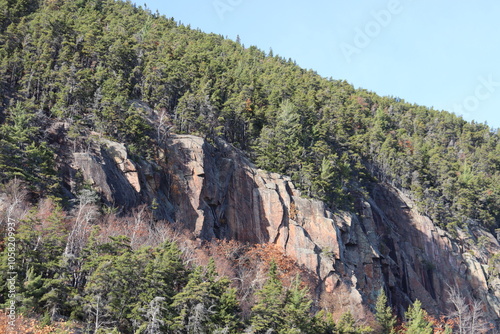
33 290
132 289
323 323
347 325
288 311
267 313
22 154
88 62
384 314
494 266
297 309
111 293
206 303
416 321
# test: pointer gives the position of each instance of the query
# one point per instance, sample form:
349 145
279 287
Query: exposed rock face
101 171
118 153
215 192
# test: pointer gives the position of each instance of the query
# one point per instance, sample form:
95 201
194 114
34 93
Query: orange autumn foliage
26 325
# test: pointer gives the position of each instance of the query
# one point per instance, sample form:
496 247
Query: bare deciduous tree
162 128
85 213
14 206
468 315
154 315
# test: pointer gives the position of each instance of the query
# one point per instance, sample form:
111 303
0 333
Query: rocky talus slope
215 192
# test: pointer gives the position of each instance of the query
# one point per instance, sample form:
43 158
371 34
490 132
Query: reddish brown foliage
26 325
247 265
440 324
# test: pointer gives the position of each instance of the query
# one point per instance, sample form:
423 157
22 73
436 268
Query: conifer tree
297 316
416 321
33 290
347 324
267 313
112 290
323 323
383 314
206 303
22 154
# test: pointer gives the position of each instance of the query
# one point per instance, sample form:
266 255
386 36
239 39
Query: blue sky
441 54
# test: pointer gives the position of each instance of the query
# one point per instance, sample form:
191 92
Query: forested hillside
87 61
95 64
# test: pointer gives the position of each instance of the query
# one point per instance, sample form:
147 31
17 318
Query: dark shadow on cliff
232 204
419 261
228 206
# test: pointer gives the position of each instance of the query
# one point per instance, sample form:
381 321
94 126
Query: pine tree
33 290
416 321
297 316
383 314
323 323
347 325
227 316
112 292
279 146
22 154
206 303
164 277
165 274
267 313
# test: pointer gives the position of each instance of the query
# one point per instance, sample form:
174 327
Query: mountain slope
388 194
215 192
87 61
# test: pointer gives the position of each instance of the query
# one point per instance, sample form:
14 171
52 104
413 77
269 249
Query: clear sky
442 54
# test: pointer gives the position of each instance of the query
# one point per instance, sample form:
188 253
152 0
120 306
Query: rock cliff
215 192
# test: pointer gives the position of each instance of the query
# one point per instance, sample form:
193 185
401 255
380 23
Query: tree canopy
88 61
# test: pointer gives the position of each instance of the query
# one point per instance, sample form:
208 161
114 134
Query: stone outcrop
118 153
107 169
215 192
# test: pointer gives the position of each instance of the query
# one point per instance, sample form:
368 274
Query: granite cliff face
215 192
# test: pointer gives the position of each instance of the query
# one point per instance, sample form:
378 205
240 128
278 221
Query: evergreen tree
347 325
279 146
416 322
296 313
112 290
164 277
267 313
22 154
383 314
323 323
32 291
206 303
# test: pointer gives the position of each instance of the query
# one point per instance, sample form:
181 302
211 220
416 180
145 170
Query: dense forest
88 62
85 62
